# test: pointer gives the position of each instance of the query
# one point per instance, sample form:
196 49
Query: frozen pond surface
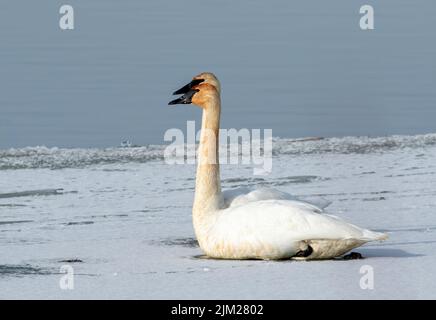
124 216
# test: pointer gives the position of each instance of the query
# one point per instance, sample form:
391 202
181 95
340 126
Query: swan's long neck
208 196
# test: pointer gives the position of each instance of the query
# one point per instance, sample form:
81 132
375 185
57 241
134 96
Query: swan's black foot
304 253
352 256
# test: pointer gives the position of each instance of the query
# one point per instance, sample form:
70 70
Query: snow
127 216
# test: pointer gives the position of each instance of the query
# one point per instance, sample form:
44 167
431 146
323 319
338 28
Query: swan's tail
374 236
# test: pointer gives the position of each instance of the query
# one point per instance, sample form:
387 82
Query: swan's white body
263 223
268 224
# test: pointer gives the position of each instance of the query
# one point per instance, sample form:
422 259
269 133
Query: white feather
240 196
276 229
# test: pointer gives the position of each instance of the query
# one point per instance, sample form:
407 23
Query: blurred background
299 68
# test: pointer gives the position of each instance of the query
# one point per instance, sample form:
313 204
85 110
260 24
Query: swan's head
209 78
203 88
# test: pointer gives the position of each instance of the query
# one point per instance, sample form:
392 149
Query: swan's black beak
187 92
185 99
188 87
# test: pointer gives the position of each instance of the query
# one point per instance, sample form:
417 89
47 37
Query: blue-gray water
300 68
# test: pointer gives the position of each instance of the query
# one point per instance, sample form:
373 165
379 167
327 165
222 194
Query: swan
256 224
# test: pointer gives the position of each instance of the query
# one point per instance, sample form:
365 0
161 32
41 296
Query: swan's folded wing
286 220
316 201
232 194
242 196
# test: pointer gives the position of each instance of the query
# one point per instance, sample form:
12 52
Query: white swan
259 224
